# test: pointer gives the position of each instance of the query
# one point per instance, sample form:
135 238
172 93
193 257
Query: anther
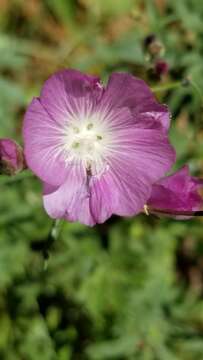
75 145
76 130
89 126
99 137
146 210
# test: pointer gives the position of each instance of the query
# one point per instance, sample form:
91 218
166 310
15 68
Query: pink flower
177 195
11 157
98 150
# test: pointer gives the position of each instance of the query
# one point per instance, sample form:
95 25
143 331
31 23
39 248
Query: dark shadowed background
131 288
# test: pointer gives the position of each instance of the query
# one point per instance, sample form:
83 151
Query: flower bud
161 67
153 45
11 157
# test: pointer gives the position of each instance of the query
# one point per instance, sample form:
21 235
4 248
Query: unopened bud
11 157
161 67
153 46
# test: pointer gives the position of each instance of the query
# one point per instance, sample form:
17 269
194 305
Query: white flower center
86 141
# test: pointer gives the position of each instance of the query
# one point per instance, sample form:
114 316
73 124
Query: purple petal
125 90
112 195
67 92
70 200
125 188
41 145
48 189
177 192
64 95
144 151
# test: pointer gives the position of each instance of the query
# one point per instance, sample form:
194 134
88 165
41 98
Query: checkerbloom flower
97 149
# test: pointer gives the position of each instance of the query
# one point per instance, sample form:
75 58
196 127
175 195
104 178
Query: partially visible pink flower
11 157
177 195
97 149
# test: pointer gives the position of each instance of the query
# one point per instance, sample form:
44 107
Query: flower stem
52 237
178 84
169 86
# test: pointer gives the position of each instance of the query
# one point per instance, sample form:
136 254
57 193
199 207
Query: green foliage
131 288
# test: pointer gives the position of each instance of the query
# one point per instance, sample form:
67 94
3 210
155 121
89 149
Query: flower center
86 141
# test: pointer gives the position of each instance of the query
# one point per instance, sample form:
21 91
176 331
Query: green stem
166 87
178 84
52 237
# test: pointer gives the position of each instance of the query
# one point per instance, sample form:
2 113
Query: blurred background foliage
131 288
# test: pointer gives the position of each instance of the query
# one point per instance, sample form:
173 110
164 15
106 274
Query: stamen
76 130
75 145
146 210
89 126
87 142
99 137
